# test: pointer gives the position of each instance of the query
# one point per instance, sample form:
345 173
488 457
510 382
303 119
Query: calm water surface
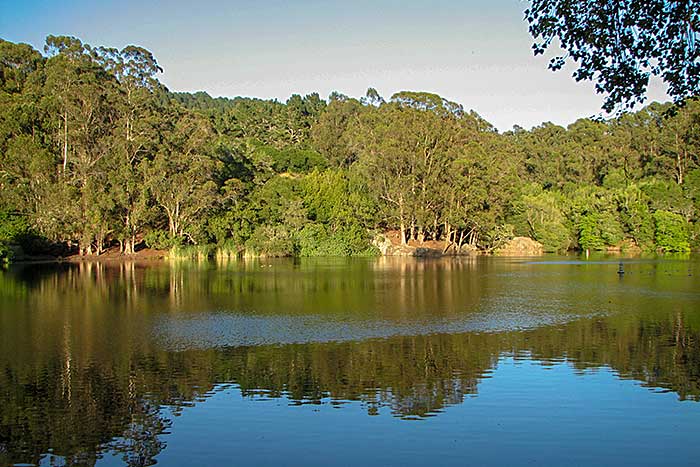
471 361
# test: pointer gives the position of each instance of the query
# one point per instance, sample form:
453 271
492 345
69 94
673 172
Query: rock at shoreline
383 243
389 245
521 246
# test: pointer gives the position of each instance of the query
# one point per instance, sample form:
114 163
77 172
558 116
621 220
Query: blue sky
473 52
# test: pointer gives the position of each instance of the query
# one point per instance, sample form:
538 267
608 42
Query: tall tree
181 177
137 134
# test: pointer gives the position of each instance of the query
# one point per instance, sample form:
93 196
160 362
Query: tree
621 44
181 176
330 134
671 231
136 135
82 95
94 152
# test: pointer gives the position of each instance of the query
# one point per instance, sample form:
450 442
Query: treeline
96 153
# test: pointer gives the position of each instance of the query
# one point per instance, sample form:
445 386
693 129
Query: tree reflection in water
82 375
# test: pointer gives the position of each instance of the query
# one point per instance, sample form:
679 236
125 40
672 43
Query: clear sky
473 52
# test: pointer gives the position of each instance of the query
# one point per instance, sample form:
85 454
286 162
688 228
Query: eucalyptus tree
680 139
81 93
181 176
137 134
331 134
24 158
406 148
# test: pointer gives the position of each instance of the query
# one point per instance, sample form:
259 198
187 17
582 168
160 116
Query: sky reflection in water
317 362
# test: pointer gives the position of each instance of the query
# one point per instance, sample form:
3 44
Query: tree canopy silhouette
620 44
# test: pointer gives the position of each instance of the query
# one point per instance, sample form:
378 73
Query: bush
13 228
272 241
554 236
671 231
161 240
5 253
541 215
695 236
352 240
313 240
598 230
589 237
639 221
192 252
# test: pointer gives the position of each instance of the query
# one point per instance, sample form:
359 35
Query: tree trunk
402 222
459 243
171 224
679 161
65 140
448 242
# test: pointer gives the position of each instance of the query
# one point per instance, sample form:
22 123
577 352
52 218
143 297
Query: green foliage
298 160
337 198
599 230
272 241
315 240
13 228
666 195
589 237
5 253
498 236
694 236
617 54
95 153
161 240
635 215
192 252
541 215
671 232
16 230
288 159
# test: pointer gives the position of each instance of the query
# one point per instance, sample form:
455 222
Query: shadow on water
91 353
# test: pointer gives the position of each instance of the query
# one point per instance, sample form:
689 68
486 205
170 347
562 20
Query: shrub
598 230
5 253
589 237
352 240
639 221
695 235
671 231
192 252
540 214
272 240
161 240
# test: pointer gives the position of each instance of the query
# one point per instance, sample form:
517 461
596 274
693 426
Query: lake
372 361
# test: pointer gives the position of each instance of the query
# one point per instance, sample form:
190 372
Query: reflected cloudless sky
473 52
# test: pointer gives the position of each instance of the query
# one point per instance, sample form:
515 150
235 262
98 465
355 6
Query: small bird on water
621 270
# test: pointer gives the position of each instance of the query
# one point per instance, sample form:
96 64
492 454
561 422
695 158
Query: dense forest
95 153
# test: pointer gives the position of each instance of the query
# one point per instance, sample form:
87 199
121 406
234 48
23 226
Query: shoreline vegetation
518 247
98 157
